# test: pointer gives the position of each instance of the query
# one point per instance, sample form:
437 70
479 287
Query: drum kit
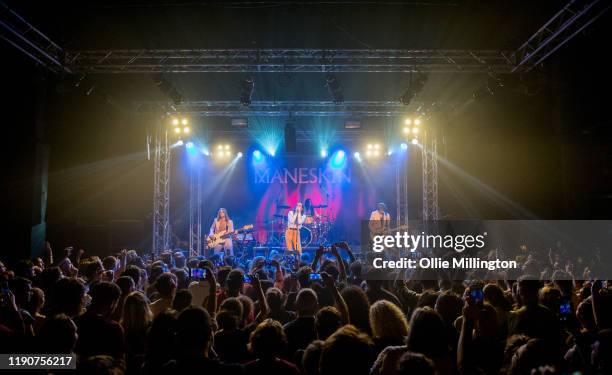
315 230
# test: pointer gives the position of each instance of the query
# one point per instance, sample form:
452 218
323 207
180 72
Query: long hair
136 315
226 214
388 321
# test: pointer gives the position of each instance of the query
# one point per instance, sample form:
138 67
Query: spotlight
338 159
177 130
180 142
415 130
205 152
227 147
184 121
417 122
407 121
257 154
175 121
239 154
369 146
377 146
335 89
415 141
186 130
323 153
417 81
406 130
247 86
357 156
404 146
227 153
389 152
376 153
369 153
189 145
219 147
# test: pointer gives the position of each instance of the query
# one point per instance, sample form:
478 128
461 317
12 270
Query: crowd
327 315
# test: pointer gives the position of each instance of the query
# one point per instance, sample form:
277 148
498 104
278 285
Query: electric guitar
218 238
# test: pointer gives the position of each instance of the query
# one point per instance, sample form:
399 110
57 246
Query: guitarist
223 224
379 220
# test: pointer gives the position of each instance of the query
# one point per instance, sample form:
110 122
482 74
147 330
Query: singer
292 235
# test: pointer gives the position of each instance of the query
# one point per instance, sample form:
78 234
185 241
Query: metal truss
195 212
293 108
401 192
161 192
563 26
289 61
429 161
16 31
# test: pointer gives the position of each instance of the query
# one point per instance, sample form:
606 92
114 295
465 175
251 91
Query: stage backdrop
252 191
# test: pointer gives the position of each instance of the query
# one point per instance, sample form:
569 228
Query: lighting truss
229 108
161 192
429 161
195 212
16 31
289 61
563 26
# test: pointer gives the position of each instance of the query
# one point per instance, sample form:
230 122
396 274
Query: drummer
309 212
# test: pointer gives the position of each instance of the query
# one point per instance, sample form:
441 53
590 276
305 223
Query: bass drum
305 237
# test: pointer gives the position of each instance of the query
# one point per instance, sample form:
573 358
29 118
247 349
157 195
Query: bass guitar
218 238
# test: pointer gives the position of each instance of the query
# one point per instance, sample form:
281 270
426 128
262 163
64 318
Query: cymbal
320 206
282 206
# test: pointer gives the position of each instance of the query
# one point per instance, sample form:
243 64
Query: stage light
258 157
415 130
323 153
390 152
404 146
369 146
177 130
415 141
417 122
338 159
189 145
227 147
239 154
184 121
335 89
220 147
357 156
247 86
205 152
175 121
228 153
376 153
180 142
408 121
186 130
406 130
377 146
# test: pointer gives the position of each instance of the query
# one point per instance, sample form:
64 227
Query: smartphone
565 309
247 278
315 276
4 288
197 273
477 295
